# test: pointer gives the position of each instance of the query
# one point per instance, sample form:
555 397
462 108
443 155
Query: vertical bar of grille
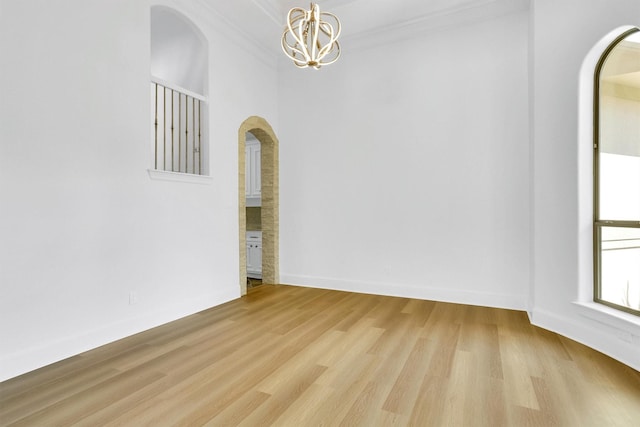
156 128
193 133
179 134
199 137
164 128
186 134
172 129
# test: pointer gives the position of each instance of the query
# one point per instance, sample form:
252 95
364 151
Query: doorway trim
263 132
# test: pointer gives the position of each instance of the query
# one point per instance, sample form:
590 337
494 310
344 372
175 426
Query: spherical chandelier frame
311 37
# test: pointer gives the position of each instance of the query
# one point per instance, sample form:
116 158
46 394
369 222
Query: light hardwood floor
293 356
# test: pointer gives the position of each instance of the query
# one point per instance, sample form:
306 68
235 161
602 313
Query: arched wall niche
179 50
263 132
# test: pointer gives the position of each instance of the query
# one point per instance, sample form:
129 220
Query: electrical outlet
133 298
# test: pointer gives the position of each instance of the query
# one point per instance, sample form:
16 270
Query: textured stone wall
261 129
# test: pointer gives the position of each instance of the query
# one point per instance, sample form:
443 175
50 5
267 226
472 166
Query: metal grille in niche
178 130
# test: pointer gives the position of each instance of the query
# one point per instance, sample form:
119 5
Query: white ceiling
263 21
366 14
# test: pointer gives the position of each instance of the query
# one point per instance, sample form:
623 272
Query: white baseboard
512 302
18 363
607 339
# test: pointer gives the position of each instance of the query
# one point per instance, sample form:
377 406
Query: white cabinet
253 183
254 254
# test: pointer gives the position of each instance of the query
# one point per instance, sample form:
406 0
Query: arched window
178 100
617 175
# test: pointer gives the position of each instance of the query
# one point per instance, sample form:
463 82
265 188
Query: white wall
178 50
82 225
405 168
564 34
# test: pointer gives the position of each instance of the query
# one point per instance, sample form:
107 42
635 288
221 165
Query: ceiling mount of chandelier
311 37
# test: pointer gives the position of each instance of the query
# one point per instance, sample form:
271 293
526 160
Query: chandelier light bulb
311 37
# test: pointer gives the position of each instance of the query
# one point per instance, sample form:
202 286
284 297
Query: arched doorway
263 132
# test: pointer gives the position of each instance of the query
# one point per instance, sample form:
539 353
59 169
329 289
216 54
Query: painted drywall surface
405 168
84 229
178 50
564 33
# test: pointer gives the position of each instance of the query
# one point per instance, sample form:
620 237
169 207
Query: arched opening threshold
263 132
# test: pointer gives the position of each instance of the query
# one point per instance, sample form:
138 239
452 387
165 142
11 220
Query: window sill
627 324
179 177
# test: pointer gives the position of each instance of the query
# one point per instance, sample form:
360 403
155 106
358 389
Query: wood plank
286 355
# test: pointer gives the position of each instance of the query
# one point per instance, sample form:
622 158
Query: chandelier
311 37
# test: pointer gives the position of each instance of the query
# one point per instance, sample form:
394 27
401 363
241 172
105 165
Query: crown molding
336 4
272 11
268 51
238 36
277 14
443 19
